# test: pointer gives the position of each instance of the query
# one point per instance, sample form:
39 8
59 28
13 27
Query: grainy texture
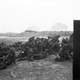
38 70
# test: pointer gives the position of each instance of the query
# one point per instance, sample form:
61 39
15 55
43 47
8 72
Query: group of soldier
40 48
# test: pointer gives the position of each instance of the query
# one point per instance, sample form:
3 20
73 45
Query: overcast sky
20 15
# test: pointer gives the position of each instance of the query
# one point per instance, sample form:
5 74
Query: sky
39 15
